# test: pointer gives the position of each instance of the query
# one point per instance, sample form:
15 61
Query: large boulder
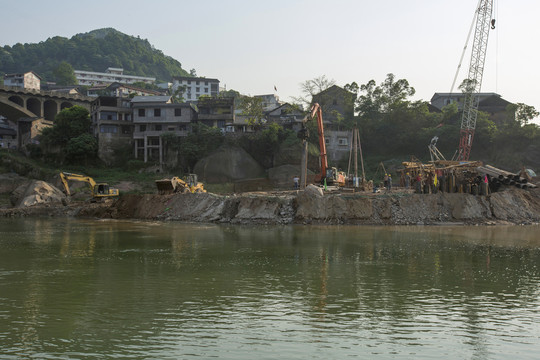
37 192
228 163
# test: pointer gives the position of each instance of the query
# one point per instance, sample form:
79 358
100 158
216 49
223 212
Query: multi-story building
28 80
217 112
154 116
112 124
194 87
111 75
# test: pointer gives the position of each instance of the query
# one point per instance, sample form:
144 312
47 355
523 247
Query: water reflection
166 290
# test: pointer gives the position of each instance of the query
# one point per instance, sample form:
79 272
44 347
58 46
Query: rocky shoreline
304 207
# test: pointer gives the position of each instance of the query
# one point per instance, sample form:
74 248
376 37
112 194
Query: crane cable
465 47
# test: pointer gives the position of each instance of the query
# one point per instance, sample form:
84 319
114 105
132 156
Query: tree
69 138
64 74
252 109
81 149
199 143
178 94
522 113
193 73
309 88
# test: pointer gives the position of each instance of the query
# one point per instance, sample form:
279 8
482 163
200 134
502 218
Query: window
327 141
206 83
189 82
141 113
142 128
111 129
157 127
171 128
198 89
343 141
157 112
334 102
178 112
126 130
206 90
197 83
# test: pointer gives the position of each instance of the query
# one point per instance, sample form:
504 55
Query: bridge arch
12 110
50 109
17 100
34 105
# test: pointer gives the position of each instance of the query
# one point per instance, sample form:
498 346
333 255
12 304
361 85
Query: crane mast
474 80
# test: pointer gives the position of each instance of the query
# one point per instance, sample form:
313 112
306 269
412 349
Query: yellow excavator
175 184
98 190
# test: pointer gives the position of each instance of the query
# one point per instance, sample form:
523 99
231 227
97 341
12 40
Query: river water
76 289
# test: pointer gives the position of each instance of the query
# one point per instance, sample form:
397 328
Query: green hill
93 51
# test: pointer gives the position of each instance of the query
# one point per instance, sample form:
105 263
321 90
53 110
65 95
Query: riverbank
303 207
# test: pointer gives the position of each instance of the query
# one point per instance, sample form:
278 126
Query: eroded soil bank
507 207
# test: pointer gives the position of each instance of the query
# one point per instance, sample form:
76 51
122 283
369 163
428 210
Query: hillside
93 51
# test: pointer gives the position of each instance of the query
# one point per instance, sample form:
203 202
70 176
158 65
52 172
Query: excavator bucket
167 186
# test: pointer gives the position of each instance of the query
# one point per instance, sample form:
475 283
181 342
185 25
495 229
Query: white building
195 87
28 80
111 75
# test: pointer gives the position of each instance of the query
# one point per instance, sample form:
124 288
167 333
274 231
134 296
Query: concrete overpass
16 103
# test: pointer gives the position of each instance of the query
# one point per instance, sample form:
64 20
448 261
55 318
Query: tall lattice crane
474 81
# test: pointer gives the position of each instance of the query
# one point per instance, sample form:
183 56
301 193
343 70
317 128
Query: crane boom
474 81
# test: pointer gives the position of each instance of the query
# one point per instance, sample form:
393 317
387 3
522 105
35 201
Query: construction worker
296 181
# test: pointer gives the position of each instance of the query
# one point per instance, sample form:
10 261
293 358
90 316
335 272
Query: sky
254 46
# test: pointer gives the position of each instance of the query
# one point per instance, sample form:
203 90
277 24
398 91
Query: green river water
76 289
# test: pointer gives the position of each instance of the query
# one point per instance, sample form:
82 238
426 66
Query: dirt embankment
512 207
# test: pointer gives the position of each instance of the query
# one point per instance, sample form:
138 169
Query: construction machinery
328 175
98 190
484 23
174 185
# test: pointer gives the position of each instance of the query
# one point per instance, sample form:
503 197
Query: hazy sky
252 46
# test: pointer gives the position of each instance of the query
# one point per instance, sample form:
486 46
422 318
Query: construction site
459 190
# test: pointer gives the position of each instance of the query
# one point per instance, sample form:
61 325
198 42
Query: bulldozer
98 190
176 185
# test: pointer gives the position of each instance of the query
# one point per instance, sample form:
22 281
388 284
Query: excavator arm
97 190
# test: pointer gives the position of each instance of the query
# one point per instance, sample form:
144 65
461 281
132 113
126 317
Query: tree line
93 51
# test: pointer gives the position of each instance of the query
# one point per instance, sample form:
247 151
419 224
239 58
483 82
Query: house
112 124
111 75
286 115
8 135
61 89
195 87
488 102
121 90
336 104
28 80
217 112
153 116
